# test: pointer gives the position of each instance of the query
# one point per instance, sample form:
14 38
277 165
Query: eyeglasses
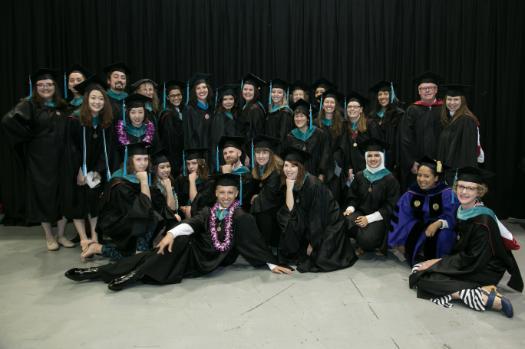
44 85
470 189
354 106
427 88
175 96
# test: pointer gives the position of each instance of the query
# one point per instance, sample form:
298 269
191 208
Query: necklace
225 245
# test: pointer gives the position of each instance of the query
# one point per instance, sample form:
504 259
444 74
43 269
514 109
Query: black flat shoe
123 281
81 274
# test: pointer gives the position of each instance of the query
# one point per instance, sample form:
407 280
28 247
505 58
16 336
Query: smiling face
226 195
277 96
136 115
74 79
300 120
354 109
95 101
117 81
175 96
228 101
163 170
383 98
45 88
467 192
248 92
146 89
373 159
201 91
329 105
262 156
427 91
290 170
231 155
453 103
140 162
426 179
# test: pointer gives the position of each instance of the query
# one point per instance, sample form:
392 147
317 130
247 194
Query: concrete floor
366 306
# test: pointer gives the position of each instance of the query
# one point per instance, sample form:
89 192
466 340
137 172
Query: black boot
124 281
81 274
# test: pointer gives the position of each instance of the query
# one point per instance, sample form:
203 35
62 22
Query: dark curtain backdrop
352 42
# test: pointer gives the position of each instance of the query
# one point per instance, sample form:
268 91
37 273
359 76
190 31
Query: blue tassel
392 93
65 86
183 163
270 95
344 108
149 179
253 160
123 113
242 85
108 172
84 165
240 189
320 107
216 96
288 95
217 158
187 92
453 198
164 99
30 87
310 116
125 165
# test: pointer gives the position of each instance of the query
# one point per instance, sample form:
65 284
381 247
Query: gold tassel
439 167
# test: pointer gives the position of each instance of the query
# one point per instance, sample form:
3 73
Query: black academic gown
350 145
222 125
171 137
81 201
388 127
205 193
458 144
278 124
125 213
197 125
336 178
315 219
250 122
479 258
39 131
194 255
419 133
265 205
367 198
318 146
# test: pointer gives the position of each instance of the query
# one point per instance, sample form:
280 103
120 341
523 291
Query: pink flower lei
225 245
123 135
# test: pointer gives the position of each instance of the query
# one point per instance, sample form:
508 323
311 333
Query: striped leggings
473 298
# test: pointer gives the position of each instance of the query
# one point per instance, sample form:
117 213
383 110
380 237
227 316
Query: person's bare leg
51 242
93 224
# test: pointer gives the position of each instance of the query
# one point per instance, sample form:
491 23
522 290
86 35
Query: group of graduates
177 186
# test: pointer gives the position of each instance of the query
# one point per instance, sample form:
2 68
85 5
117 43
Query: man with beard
117 75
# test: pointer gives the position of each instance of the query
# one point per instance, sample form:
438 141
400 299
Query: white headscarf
381 165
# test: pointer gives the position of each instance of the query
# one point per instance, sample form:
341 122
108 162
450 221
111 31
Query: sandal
506 305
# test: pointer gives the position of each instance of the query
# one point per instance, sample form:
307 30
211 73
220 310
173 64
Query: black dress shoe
81 274
123 281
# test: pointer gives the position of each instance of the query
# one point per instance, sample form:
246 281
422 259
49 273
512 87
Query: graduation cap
228 90
427 77
200 78
79 69
254 80
44 74
159 157
279 83
384 85
231 141
172 84
89 84
299 85
227 180
373 144
324 83
137 83
301 106
138 148
455 90
473 174
339 97
264 141
296 154
118 66
356 96
195 153
136 100
435 165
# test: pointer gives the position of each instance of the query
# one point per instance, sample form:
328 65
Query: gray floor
366 306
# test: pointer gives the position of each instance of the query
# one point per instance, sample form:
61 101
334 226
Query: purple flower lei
225 245
123 135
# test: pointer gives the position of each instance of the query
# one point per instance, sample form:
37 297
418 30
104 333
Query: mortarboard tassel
125 164
288 95
240 189
30 87
320 107
84 165
252 152
123 113
183 164
65 86
149 179
216 96
164 99
393 96
187 91
310 116
108 172
217 159
453 198
270 96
